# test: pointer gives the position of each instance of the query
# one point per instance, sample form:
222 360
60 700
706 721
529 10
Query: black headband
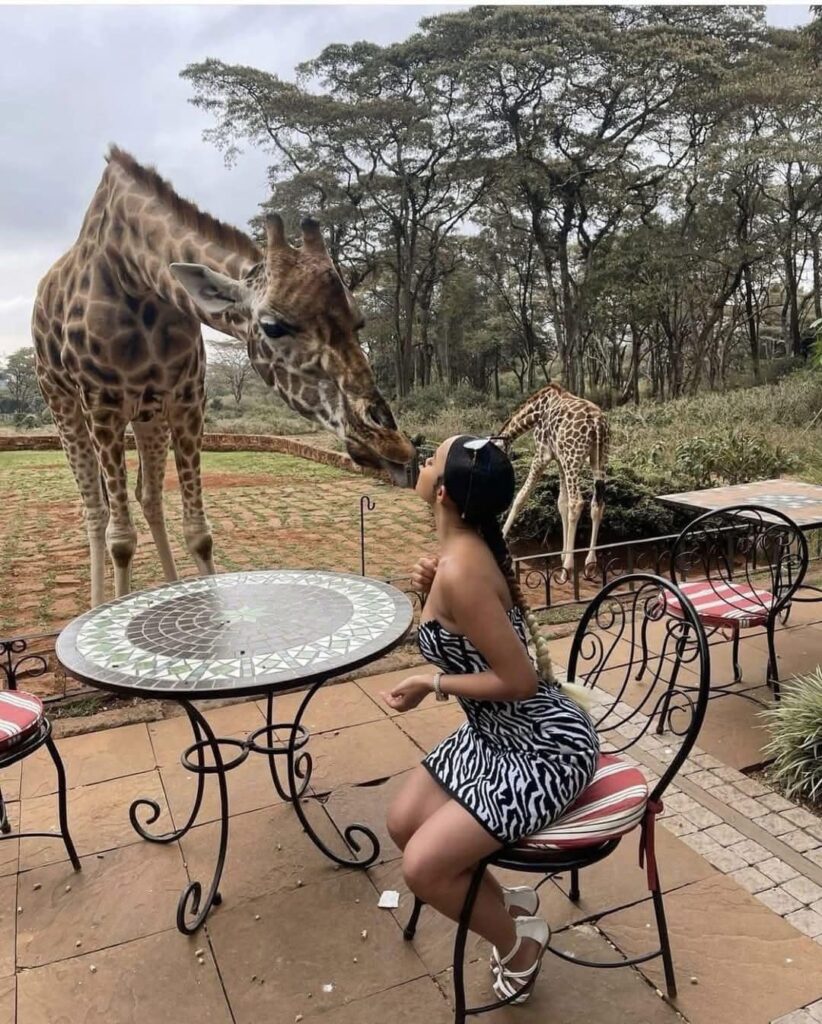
478 477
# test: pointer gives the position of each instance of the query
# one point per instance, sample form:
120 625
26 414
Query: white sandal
523 898
509 983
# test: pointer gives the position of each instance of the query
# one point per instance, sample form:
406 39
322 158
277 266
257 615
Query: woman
527 749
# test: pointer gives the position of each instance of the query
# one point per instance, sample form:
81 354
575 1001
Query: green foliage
796 738
734 458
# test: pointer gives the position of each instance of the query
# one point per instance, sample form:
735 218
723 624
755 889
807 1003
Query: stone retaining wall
211 443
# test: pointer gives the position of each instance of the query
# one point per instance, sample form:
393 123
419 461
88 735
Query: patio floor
295 939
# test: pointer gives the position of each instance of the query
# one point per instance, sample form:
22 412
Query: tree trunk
753 330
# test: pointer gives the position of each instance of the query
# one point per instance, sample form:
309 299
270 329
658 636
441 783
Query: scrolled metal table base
193 907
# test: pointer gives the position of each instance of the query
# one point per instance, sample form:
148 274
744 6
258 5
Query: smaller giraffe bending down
571 430
117 340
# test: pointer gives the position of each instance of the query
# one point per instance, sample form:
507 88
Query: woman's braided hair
491 533
479 479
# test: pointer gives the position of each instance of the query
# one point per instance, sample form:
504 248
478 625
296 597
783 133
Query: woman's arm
478 615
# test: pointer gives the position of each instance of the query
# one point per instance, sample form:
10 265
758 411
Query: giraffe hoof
590 573
560 576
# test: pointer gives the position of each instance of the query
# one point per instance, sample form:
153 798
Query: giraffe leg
152 445
599 459
186 422
562 505
82 458
108 430
534 473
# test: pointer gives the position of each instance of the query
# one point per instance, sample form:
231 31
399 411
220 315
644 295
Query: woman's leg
438 863
420 798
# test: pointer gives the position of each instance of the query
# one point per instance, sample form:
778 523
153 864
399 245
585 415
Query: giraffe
117 337
570 430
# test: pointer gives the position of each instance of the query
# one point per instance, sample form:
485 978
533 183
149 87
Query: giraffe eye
276 328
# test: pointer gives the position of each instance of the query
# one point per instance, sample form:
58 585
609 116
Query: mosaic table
800 501
238 634
796 499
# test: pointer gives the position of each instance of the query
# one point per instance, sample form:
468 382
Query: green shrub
796 738
734 458
631 511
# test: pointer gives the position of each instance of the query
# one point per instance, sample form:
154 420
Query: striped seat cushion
612 805
717 603
20 715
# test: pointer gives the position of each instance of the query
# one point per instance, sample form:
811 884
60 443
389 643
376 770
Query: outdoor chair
740 567
24 728
619 801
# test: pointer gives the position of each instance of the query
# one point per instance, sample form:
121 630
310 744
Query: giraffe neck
141 233
527 416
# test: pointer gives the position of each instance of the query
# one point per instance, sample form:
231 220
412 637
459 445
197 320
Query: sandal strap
502 961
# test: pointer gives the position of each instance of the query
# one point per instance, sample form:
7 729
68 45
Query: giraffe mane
186 212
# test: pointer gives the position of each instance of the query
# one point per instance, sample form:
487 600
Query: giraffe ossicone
117 336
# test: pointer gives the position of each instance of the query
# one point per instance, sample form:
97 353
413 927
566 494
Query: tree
21 380
230 367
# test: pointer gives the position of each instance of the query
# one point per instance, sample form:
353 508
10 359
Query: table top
234 633
799 501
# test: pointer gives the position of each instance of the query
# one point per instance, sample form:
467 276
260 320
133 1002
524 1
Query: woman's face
432 471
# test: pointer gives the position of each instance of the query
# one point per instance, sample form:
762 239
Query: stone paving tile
331 708
411 1003
775 824
780 901
98 818
724 834
93 757
751 851
10 848
305 941
126 894
8 924
750 965
367 805
171 736
799 840
803 889
157 978
807 921
751 879
268 852
8 1000
795 1017
10 782
362 753
775 802
777 869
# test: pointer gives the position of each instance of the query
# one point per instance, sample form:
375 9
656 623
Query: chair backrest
645 667
741 551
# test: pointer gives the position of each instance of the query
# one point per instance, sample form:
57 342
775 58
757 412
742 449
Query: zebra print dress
514 765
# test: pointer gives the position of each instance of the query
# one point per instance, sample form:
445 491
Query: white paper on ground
390 899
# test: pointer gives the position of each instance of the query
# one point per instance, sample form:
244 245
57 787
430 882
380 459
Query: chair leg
773 671
459 944
410 929
61 803
5 824
573 894
664 943
735 657
643 635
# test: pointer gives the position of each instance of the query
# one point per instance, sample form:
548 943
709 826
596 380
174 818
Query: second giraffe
572 431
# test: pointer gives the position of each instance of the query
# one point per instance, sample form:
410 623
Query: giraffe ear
211 291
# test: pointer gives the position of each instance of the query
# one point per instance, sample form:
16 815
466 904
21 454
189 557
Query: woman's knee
400 825
421 874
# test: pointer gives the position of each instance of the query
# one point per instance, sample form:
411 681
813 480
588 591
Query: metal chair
619 801
740 567
24 728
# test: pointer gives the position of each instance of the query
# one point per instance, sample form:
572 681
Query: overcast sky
73 79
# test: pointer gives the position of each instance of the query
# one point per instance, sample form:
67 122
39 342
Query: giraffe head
301 326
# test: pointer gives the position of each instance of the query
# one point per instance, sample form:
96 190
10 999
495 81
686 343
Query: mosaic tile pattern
235 633
801 501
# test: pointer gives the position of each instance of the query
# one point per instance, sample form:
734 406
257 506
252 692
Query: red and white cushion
613 804
717 603
20 715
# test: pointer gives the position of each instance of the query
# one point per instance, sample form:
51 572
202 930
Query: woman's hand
422 575
409 693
